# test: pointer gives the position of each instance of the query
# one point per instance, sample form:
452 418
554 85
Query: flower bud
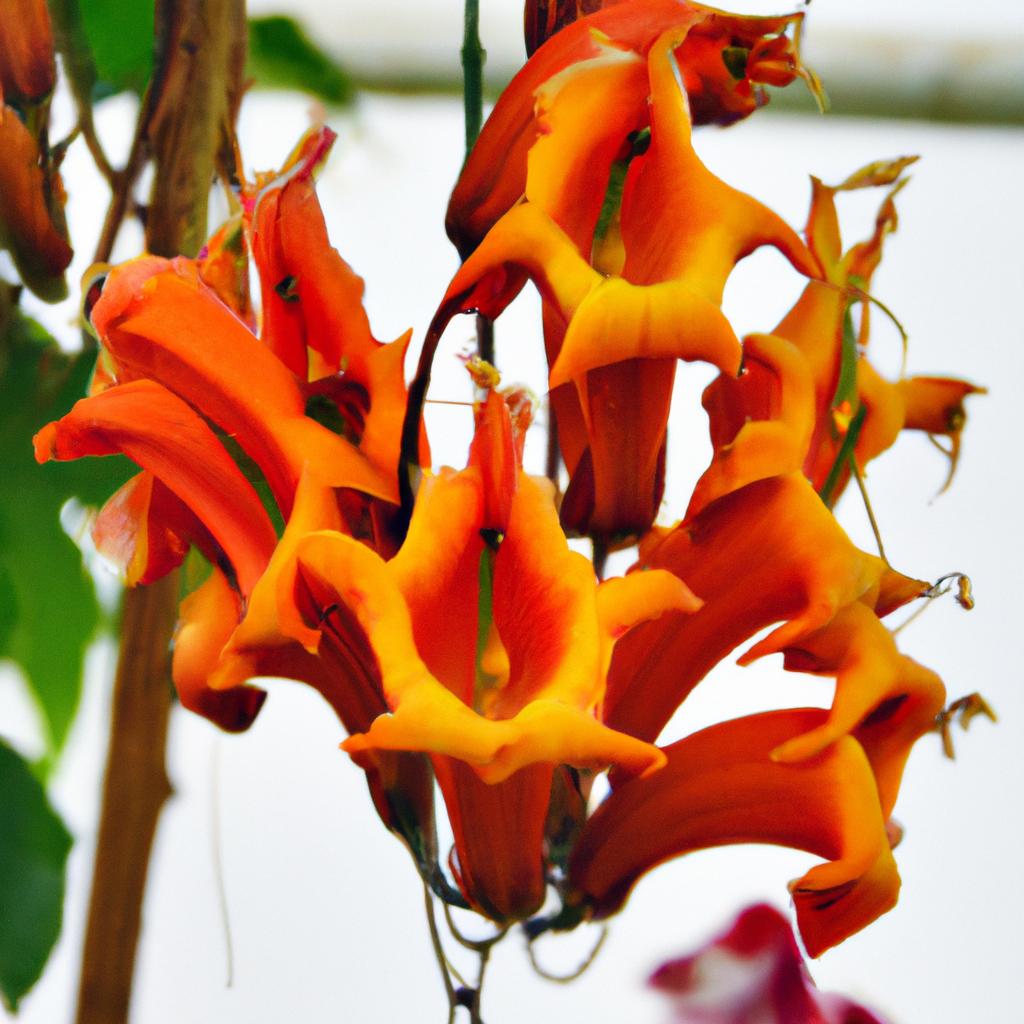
26 51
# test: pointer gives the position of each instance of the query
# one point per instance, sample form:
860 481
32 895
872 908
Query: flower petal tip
44 443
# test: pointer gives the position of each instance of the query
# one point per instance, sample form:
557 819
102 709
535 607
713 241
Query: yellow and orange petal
769 553
882 697
494 177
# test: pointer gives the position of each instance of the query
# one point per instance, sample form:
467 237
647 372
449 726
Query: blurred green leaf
34 848
120 36
282 55
48 608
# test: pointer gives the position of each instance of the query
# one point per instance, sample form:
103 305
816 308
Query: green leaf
34 848
120 36
282 55
48 608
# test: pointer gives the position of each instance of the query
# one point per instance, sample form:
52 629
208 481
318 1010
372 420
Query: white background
326 910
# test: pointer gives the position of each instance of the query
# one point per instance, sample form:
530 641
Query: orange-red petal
206 618
159 321
160 433
499 832
720 786
882 697
770 552
714 225
761 422
272 617
145 530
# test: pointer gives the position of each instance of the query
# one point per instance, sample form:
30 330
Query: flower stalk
185 119
134 792
473 57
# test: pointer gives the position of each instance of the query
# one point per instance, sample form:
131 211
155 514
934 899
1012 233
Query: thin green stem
585 965
475 945
217 853
474 1007
439 954
473 57
122 185
858 476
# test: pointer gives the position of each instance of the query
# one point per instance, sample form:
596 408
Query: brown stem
134 790
186 121
121 188
485 338
198 86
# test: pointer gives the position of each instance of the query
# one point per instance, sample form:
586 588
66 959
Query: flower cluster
442 613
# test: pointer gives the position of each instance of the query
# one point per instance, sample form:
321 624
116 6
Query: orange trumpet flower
822 781
616 322
179 354
760 548
489 640
857 413
721 57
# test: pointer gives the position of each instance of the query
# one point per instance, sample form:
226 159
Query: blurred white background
325 907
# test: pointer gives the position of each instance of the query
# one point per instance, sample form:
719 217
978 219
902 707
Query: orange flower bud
31 210
27 69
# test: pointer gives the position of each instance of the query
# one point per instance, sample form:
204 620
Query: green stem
474 1006
585 965
439 955
473 56
858 476
122 185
